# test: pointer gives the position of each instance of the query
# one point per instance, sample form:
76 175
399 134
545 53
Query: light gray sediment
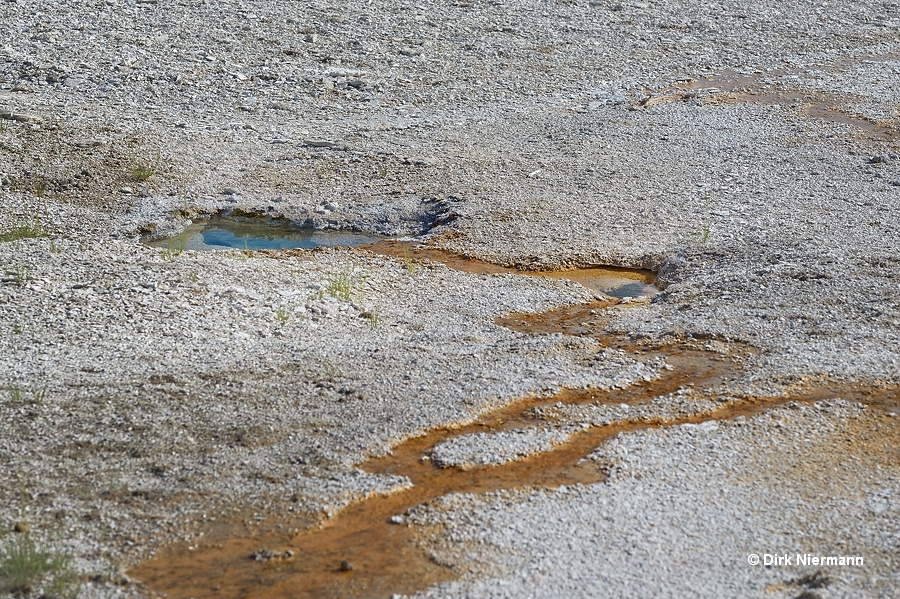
780 483
153 395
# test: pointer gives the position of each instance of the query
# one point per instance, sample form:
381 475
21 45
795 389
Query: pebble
320 143
23 117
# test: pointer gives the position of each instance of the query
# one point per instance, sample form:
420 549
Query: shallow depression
613 281
249 233
242 233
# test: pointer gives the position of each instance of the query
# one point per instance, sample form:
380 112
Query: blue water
634 289
249 234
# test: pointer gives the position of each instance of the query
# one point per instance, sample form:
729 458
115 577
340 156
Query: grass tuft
24 567
142 169
15 394
142 172
341 285
23 231
409 262
174 248
40 187
373 317
37 396
702 234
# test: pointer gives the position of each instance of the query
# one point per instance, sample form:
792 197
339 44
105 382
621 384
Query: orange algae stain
605 279
737 88
361 553
384 558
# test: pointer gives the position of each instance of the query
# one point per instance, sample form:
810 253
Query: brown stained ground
869 442
385 558
598 278
737 88
381 558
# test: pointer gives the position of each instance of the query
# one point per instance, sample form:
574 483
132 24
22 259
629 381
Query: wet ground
380 558
252 234
784 88
368 551
728 172
608 280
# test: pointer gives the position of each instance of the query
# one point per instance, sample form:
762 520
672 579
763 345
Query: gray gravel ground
793 493
153 394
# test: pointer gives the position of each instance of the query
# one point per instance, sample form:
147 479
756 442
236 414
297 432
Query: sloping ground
749 153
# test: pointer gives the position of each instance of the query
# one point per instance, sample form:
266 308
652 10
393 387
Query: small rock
21 527
320 143
346 566
264 555
229 191
22 117
420 161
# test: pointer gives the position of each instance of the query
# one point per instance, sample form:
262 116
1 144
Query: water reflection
253 234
